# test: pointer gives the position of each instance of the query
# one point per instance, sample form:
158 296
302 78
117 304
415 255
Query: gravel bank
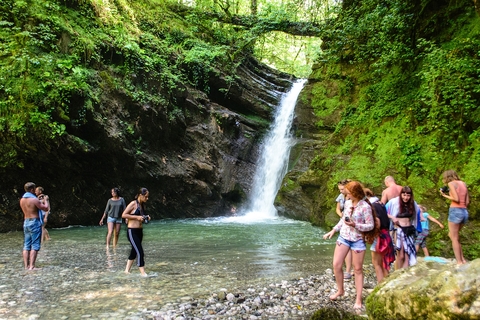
292 299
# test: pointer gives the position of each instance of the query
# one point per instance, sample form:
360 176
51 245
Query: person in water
136 215
113 211
32 227
358 219
457 213
44 199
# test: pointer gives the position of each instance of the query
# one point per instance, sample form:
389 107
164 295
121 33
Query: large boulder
432 289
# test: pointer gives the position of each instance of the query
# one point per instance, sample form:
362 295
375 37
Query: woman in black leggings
135 215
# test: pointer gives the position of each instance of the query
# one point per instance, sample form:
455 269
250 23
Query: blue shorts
458 215
32 228
356 246
114 220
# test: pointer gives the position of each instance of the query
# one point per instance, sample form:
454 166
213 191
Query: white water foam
272 165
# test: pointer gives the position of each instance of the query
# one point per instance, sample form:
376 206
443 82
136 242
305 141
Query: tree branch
250 22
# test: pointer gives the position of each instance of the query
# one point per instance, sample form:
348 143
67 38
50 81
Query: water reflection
193 258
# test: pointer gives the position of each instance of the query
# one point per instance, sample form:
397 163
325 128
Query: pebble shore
294 299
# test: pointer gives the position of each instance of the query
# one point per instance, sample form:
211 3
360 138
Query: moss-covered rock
428 290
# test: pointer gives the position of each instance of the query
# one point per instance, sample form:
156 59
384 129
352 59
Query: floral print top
361 215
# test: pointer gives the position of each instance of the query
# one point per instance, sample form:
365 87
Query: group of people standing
35 206
395 226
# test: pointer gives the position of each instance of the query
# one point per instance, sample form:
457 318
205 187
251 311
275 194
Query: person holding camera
359 218
135 213
341 200
456 191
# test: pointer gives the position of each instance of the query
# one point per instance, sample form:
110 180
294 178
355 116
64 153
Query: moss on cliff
96 94
399 84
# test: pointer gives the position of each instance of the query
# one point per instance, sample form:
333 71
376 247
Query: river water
188 259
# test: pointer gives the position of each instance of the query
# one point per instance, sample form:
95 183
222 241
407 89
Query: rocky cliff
196 164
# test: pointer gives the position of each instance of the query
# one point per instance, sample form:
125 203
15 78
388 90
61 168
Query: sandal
347 275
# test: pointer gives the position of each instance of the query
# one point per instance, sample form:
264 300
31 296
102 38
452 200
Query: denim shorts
458 215
114 220
32 228
356 246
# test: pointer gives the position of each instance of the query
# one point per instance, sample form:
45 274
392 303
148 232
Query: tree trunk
253 7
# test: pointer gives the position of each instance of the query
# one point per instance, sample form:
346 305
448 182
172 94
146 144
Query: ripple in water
192 258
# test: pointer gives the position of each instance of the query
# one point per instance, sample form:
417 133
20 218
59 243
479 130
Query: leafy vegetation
400 84
59 57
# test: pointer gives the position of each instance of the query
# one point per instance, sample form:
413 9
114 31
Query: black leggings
135 236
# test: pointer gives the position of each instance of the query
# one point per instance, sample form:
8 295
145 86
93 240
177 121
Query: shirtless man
393 190
32 227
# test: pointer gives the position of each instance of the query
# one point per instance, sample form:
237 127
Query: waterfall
273 161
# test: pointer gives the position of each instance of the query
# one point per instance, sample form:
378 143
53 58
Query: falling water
272 165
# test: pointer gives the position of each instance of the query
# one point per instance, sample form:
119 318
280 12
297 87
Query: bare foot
144 275
127 272
335 296
34 269
358 308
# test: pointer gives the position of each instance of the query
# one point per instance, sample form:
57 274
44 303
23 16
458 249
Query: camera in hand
445 189
145 219
347 219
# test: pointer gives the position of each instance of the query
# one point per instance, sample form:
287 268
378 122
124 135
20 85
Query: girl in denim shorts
457 192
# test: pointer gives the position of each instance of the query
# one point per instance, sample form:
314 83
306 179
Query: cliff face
391 101
196 164
301 192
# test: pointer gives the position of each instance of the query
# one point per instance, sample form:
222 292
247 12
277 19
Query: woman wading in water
358 219
135 213
113 212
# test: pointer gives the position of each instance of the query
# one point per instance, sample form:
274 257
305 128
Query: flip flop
347 275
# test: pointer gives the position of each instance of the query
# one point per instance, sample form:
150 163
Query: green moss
402 105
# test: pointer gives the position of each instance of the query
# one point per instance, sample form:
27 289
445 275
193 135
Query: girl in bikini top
405 214
138 211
